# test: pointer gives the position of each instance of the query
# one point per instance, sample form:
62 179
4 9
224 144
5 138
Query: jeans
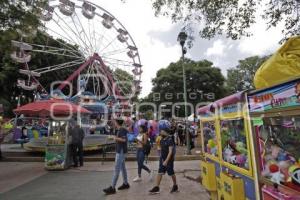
140 156
119 166
77 151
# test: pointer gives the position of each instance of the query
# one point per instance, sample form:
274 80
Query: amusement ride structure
97 46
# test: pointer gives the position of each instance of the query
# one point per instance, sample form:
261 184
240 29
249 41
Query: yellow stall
229 169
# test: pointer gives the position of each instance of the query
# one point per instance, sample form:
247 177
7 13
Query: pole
188 150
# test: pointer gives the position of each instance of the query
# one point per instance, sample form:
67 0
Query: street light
182 39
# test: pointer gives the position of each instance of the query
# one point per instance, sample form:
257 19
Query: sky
156 39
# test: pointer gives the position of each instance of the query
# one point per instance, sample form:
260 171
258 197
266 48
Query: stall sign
232 108
282 96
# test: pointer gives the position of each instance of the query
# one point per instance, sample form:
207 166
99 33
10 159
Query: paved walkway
19 181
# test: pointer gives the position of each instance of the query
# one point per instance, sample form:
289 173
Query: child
166 161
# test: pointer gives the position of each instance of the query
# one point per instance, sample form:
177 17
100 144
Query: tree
19 18
231 17
241 77
204 83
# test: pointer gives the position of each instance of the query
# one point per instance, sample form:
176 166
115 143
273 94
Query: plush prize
241 160
211 146
294 179
227 154
282 155
240 147
233 159
276 175
275 151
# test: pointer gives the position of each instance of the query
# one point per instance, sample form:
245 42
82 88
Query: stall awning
45 108
232 99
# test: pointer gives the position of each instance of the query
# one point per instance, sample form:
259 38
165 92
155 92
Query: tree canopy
241 77
204 83
231 17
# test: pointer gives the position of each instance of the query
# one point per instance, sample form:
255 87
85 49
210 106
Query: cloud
262 42
156 39
217 49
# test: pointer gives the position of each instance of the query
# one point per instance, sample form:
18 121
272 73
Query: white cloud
138 18
156 51
217 49
262 42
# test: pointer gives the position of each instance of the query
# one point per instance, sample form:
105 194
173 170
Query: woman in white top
142 139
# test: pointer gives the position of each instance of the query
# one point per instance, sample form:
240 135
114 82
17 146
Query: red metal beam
109 76
77 72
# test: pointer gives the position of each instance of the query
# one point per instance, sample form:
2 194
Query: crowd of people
170 134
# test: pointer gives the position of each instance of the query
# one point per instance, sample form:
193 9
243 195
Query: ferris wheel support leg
117 91
77 72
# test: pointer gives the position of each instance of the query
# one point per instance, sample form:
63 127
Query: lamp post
182 39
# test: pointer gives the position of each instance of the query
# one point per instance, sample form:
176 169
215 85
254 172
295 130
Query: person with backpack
166 161
143 150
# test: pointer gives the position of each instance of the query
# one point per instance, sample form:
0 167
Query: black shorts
169 168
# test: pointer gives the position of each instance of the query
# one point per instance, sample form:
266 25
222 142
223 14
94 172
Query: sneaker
137 179
154 190
174 189
124 186
109 190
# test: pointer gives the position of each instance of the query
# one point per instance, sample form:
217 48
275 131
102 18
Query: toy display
281 150
234 145
210 138
275 120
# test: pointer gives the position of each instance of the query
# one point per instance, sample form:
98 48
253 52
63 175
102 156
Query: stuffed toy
240 147
227 153
233 159
276 175
241 160
212 147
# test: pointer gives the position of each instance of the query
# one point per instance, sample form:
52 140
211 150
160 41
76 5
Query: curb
97 159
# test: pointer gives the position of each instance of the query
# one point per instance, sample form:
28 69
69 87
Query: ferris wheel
97 48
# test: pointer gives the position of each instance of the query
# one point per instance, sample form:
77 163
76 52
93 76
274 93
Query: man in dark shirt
166 161
121 150
77 134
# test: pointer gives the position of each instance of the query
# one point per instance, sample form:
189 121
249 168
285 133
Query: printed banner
282 96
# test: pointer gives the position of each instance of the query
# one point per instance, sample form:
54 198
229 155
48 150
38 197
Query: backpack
147 147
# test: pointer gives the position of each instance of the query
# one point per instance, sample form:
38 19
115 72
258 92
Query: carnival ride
97 53
100 53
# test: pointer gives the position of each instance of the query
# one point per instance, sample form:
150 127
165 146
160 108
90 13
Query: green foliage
204 83
19 18
231 17
124 81
241 77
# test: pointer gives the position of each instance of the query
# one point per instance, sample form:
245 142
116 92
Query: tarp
45 108
282 66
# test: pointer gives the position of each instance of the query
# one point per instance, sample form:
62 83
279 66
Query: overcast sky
156 38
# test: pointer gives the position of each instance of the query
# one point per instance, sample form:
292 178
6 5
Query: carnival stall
58 114
275 117
227 170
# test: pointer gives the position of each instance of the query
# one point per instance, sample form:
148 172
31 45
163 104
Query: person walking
166 161
142 141
121 151
77 135
180 133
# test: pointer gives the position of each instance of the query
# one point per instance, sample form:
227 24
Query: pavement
29 180
14 153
